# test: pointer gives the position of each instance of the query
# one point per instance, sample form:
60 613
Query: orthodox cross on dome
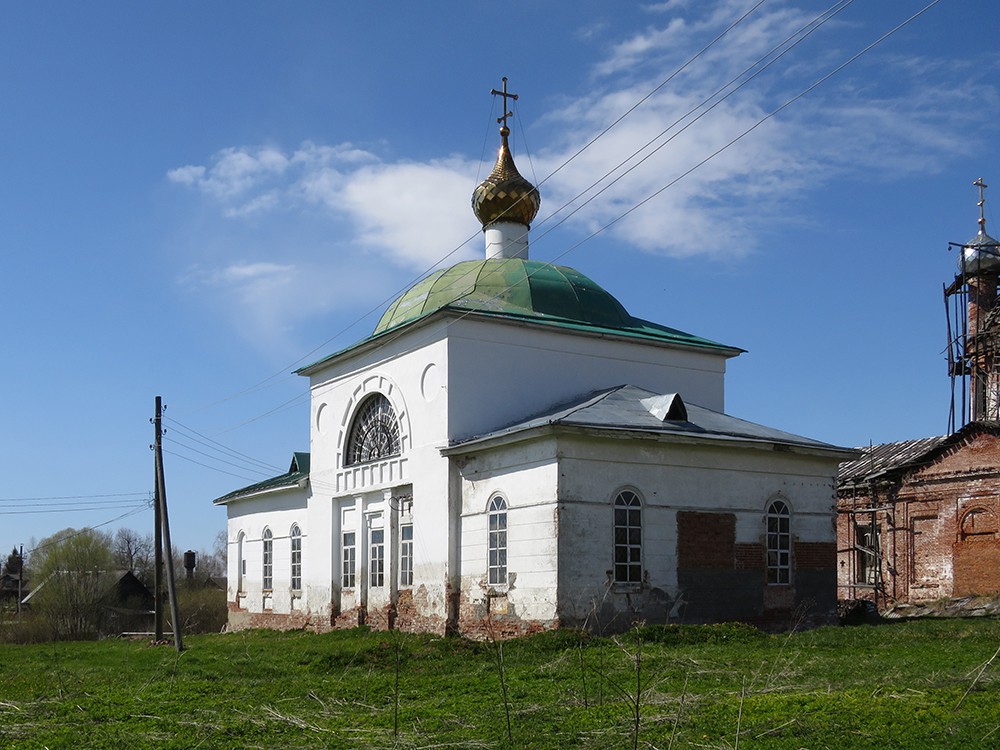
506 114
982 198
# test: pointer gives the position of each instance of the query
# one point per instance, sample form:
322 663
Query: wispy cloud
889 114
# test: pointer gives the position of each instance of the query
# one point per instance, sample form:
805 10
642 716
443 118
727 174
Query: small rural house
511 450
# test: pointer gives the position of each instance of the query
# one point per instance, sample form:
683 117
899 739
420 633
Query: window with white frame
296 544
628 538
376 558
241 562
406 554
497 542
349 569
268 561
779 543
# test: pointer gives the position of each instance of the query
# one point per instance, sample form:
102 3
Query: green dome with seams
509 286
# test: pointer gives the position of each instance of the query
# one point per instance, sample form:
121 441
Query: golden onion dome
505 195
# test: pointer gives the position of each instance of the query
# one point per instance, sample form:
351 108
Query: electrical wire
807 30
281 373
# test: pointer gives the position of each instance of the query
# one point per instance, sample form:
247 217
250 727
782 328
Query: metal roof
297 472
634 409
523 291
878 461
889 461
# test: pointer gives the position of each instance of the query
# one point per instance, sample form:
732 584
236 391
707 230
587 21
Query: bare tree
133 551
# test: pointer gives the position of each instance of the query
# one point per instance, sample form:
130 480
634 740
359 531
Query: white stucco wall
277 511
503 372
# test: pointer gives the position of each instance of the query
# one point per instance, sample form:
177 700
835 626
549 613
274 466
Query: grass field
919 684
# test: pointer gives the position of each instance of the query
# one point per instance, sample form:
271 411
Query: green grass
887 686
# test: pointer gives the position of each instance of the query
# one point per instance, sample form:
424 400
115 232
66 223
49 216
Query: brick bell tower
974 345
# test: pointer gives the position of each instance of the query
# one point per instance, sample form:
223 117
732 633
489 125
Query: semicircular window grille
374 433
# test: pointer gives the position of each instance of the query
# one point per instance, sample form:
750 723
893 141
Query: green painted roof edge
639 329
298 471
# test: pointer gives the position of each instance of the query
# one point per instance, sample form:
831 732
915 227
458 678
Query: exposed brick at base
750 557
241 619
815 555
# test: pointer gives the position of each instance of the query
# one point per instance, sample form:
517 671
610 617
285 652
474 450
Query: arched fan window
374 433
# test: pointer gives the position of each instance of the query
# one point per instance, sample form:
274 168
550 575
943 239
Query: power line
281 373
218 447
802 33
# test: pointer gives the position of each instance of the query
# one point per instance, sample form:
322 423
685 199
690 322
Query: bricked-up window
296 538
779 543
268 567
374 433
376 558
978 522
348 578
628 538
406 555
497 542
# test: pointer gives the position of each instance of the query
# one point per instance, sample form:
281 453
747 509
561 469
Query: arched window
779 543
241 562
374 433
296 537
628 538
497 542
267 570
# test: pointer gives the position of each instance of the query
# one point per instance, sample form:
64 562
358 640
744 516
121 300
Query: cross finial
982 202
506 114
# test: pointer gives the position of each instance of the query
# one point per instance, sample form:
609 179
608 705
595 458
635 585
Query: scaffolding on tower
973 319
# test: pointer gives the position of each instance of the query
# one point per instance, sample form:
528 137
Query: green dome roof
510 286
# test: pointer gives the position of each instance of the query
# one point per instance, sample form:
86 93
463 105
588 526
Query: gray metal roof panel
622 408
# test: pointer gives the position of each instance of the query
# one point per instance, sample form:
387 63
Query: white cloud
887 115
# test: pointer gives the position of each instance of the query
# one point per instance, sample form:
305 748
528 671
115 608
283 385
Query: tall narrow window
628 538
497 542
268 558
374 432
349 571
296 537
406 555
241 562
779 543
376 558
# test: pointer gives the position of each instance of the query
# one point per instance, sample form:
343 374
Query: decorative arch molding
389 470
978 522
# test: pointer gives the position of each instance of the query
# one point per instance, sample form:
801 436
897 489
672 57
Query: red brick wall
706 540
926 554
750 557
814 555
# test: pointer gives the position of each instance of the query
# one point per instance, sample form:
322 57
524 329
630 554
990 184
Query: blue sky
197 198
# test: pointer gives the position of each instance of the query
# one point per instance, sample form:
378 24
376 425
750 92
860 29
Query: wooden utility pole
161 504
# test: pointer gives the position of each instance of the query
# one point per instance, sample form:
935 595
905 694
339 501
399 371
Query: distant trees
12 565
70 577
134 552
77 576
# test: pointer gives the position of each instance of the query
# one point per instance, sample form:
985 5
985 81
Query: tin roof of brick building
888 461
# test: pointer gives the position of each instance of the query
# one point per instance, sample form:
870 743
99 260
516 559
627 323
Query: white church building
511 451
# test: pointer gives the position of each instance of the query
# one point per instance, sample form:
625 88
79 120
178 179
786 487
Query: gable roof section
889 462
628 408
297 473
